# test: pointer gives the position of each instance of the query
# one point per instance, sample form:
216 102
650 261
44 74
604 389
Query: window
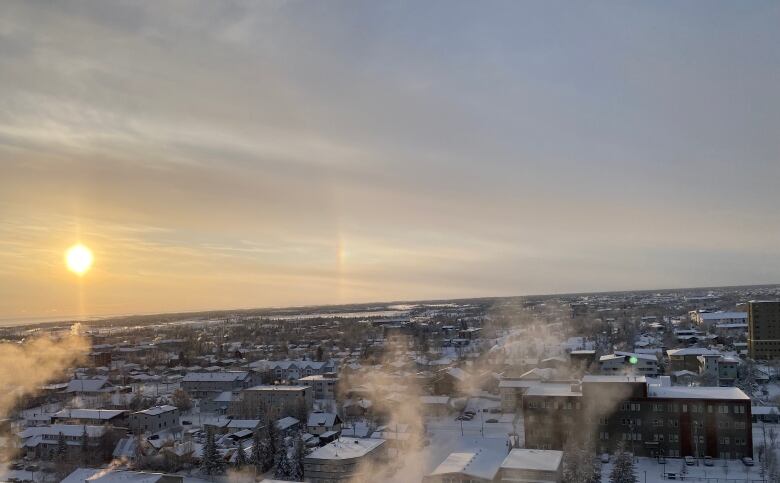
673 423
658 423
723 409
685 408
725 440
674 438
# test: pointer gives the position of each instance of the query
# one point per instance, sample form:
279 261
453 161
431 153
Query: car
154 436
708 461
495 410
468 417
605 458
17 466
690 461
31 468
470 413
184 422
747 461
491 420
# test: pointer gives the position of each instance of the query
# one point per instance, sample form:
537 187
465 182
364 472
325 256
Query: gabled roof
323 419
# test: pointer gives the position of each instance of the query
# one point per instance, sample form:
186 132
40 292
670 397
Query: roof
763 410
693 351
482 463
533 459
65 429
278 388
227 376
552 389
286 423
686 392
88 385
322 419
723 315
346 448
613 378
88 413
157 410
514 383
434 399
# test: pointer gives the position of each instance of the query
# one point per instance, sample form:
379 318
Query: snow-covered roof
764 410
552 389
346 448
322 419
157 410
533 459
88 385
227 376
723 315
278 388
693 351
483 464
286 423
105 414
434 399
612 378
685 392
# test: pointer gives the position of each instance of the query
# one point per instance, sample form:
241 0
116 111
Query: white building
629 363
346 459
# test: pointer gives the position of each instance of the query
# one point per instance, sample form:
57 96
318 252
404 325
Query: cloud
235 149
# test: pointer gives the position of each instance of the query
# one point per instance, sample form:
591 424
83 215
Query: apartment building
629 363
208 385
649 419
41 442
763 329
292 370
154 419
709 319
94 417
346 459
276 400
688 358
324 385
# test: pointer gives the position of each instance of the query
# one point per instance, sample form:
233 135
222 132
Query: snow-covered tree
84 446
62 447
623 469
296 458
283 468
240 456
212 462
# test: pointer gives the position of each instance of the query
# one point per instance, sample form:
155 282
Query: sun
78 258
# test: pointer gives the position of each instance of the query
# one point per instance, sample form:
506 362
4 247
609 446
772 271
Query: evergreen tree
84 446
283 469
296 459
623 468
257 458
62 448
240 456
272 444
212 462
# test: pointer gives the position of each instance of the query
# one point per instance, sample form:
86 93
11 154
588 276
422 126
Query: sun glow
78 258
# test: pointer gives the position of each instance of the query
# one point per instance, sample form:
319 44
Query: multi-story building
277 401
324 385
629 363
708 319
291 371
42 441
648 419
346 459
154 419
763 329
208 385
688 358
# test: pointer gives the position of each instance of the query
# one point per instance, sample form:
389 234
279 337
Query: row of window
675 407
673 438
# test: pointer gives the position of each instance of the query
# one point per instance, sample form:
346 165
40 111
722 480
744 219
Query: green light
633 360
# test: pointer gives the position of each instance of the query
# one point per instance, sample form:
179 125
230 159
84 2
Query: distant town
608 387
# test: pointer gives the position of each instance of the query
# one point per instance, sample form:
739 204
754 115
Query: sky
218 155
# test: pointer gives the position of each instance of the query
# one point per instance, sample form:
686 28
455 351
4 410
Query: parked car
708 461
690 461
747 461
491 420
495 410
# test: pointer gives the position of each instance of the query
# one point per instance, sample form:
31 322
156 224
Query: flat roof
613 378
481 463
697 392
552 389
346 448
533 459
279 388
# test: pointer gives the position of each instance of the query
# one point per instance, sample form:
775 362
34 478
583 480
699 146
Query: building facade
763 330
154 419
648 419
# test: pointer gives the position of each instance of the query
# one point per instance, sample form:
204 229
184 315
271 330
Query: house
155 419
89 387
219 404
110 475
435 405
765 414
344 460
320 422
450 381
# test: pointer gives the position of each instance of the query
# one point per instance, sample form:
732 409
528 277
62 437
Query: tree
84 446
240 456
296 458
746 377
283 468
257 457
62 448
181 400
623 468
212 462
